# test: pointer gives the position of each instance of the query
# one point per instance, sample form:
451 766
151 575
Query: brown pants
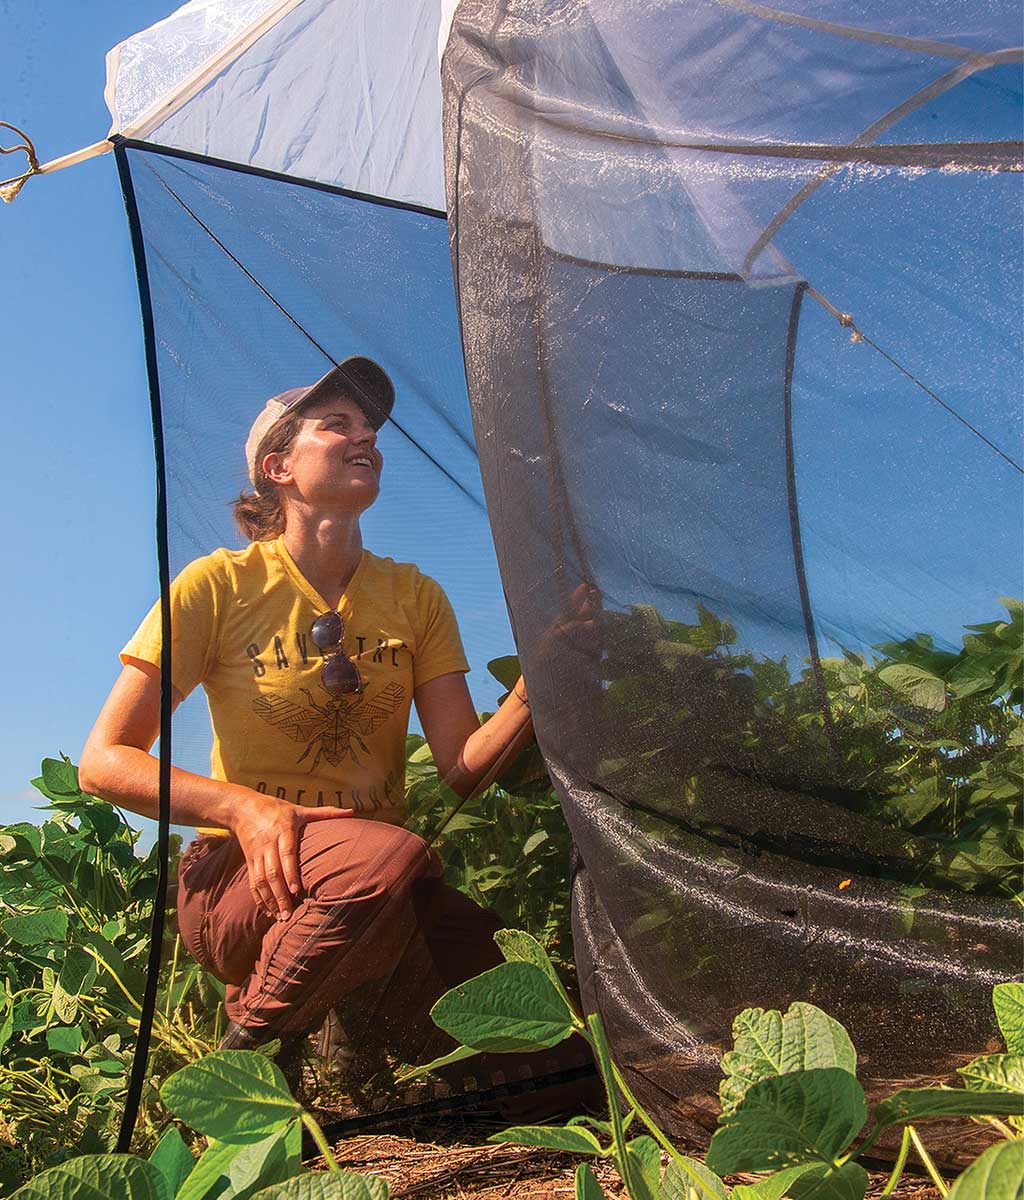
375 934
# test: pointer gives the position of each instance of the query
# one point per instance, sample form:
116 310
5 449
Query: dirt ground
452 1161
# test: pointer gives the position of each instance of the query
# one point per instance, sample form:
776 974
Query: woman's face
334 460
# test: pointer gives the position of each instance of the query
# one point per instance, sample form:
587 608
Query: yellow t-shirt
240 626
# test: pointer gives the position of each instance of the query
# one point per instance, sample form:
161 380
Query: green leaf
1008 1001
849 1182
518 946
173 1159
231 1095
918 1104
916 685
457 1055
573 1138
512 1007
37 929
587 1187
807 1116
97 1177
646 1155
994 1072
691 1180
209 1177
775 1186
997 1175
506 670
260 1164
341 1185
64 1039
60 778
768 1044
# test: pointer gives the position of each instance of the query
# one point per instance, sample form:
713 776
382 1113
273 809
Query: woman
302 887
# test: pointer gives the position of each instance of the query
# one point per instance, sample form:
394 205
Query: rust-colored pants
375 927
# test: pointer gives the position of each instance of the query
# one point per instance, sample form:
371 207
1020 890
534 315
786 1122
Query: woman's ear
276 468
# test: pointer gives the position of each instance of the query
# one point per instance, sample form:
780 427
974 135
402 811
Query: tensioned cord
858 335
313 341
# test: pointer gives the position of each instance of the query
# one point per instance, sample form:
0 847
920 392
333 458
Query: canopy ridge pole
858 335
305 332
943 83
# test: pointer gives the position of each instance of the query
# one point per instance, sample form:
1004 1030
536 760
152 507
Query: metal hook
9 188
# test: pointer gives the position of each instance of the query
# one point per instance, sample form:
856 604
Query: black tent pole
156 937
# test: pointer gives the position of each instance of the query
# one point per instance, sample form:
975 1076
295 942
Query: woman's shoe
288 1057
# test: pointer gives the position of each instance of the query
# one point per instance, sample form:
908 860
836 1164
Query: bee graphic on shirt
335 728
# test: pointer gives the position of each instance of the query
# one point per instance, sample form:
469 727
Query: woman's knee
363 859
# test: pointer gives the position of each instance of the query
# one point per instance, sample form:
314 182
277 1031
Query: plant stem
170 982
607 1069
901 1162
929 1166
642 1113
318 1136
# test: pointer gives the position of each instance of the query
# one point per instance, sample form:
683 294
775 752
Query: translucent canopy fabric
334 91
743 343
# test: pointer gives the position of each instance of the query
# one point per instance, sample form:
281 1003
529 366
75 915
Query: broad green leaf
231 1095
64 1039
775 1186
518 946
457 1055
807 1116
691 1180
997 1175
209 1177
919 687
260 1164
173 1159
768 1043
505 670
37 929
59 777
994 1072
646 1156
342 1185
638 1185
98 1177
512 1007
849 1182
918 1104
587 1187
1008 1001
573 1138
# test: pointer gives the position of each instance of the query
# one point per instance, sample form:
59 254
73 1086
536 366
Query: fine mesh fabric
257 285
723 272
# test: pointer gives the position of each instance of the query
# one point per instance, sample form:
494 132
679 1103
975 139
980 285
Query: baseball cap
358 378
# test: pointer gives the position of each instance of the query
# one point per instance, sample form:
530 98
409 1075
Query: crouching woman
303 892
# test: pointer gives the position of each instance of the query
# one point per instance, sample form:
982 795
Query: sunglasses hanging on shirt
339 674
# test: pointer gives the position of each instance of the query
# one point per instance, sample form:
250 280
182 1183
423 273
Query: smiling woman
303 885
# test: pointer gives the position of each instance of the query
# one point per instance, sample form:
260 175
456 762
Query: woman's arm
116 765
463 749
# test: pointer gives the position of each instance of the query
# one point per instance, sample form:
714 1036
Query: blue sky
80 479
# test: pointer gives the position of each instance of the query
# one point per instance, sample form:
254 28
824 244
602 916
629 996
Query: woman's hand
268 832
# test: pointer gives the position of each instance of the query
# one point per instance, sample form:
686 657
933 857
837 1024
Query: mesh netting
787 771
